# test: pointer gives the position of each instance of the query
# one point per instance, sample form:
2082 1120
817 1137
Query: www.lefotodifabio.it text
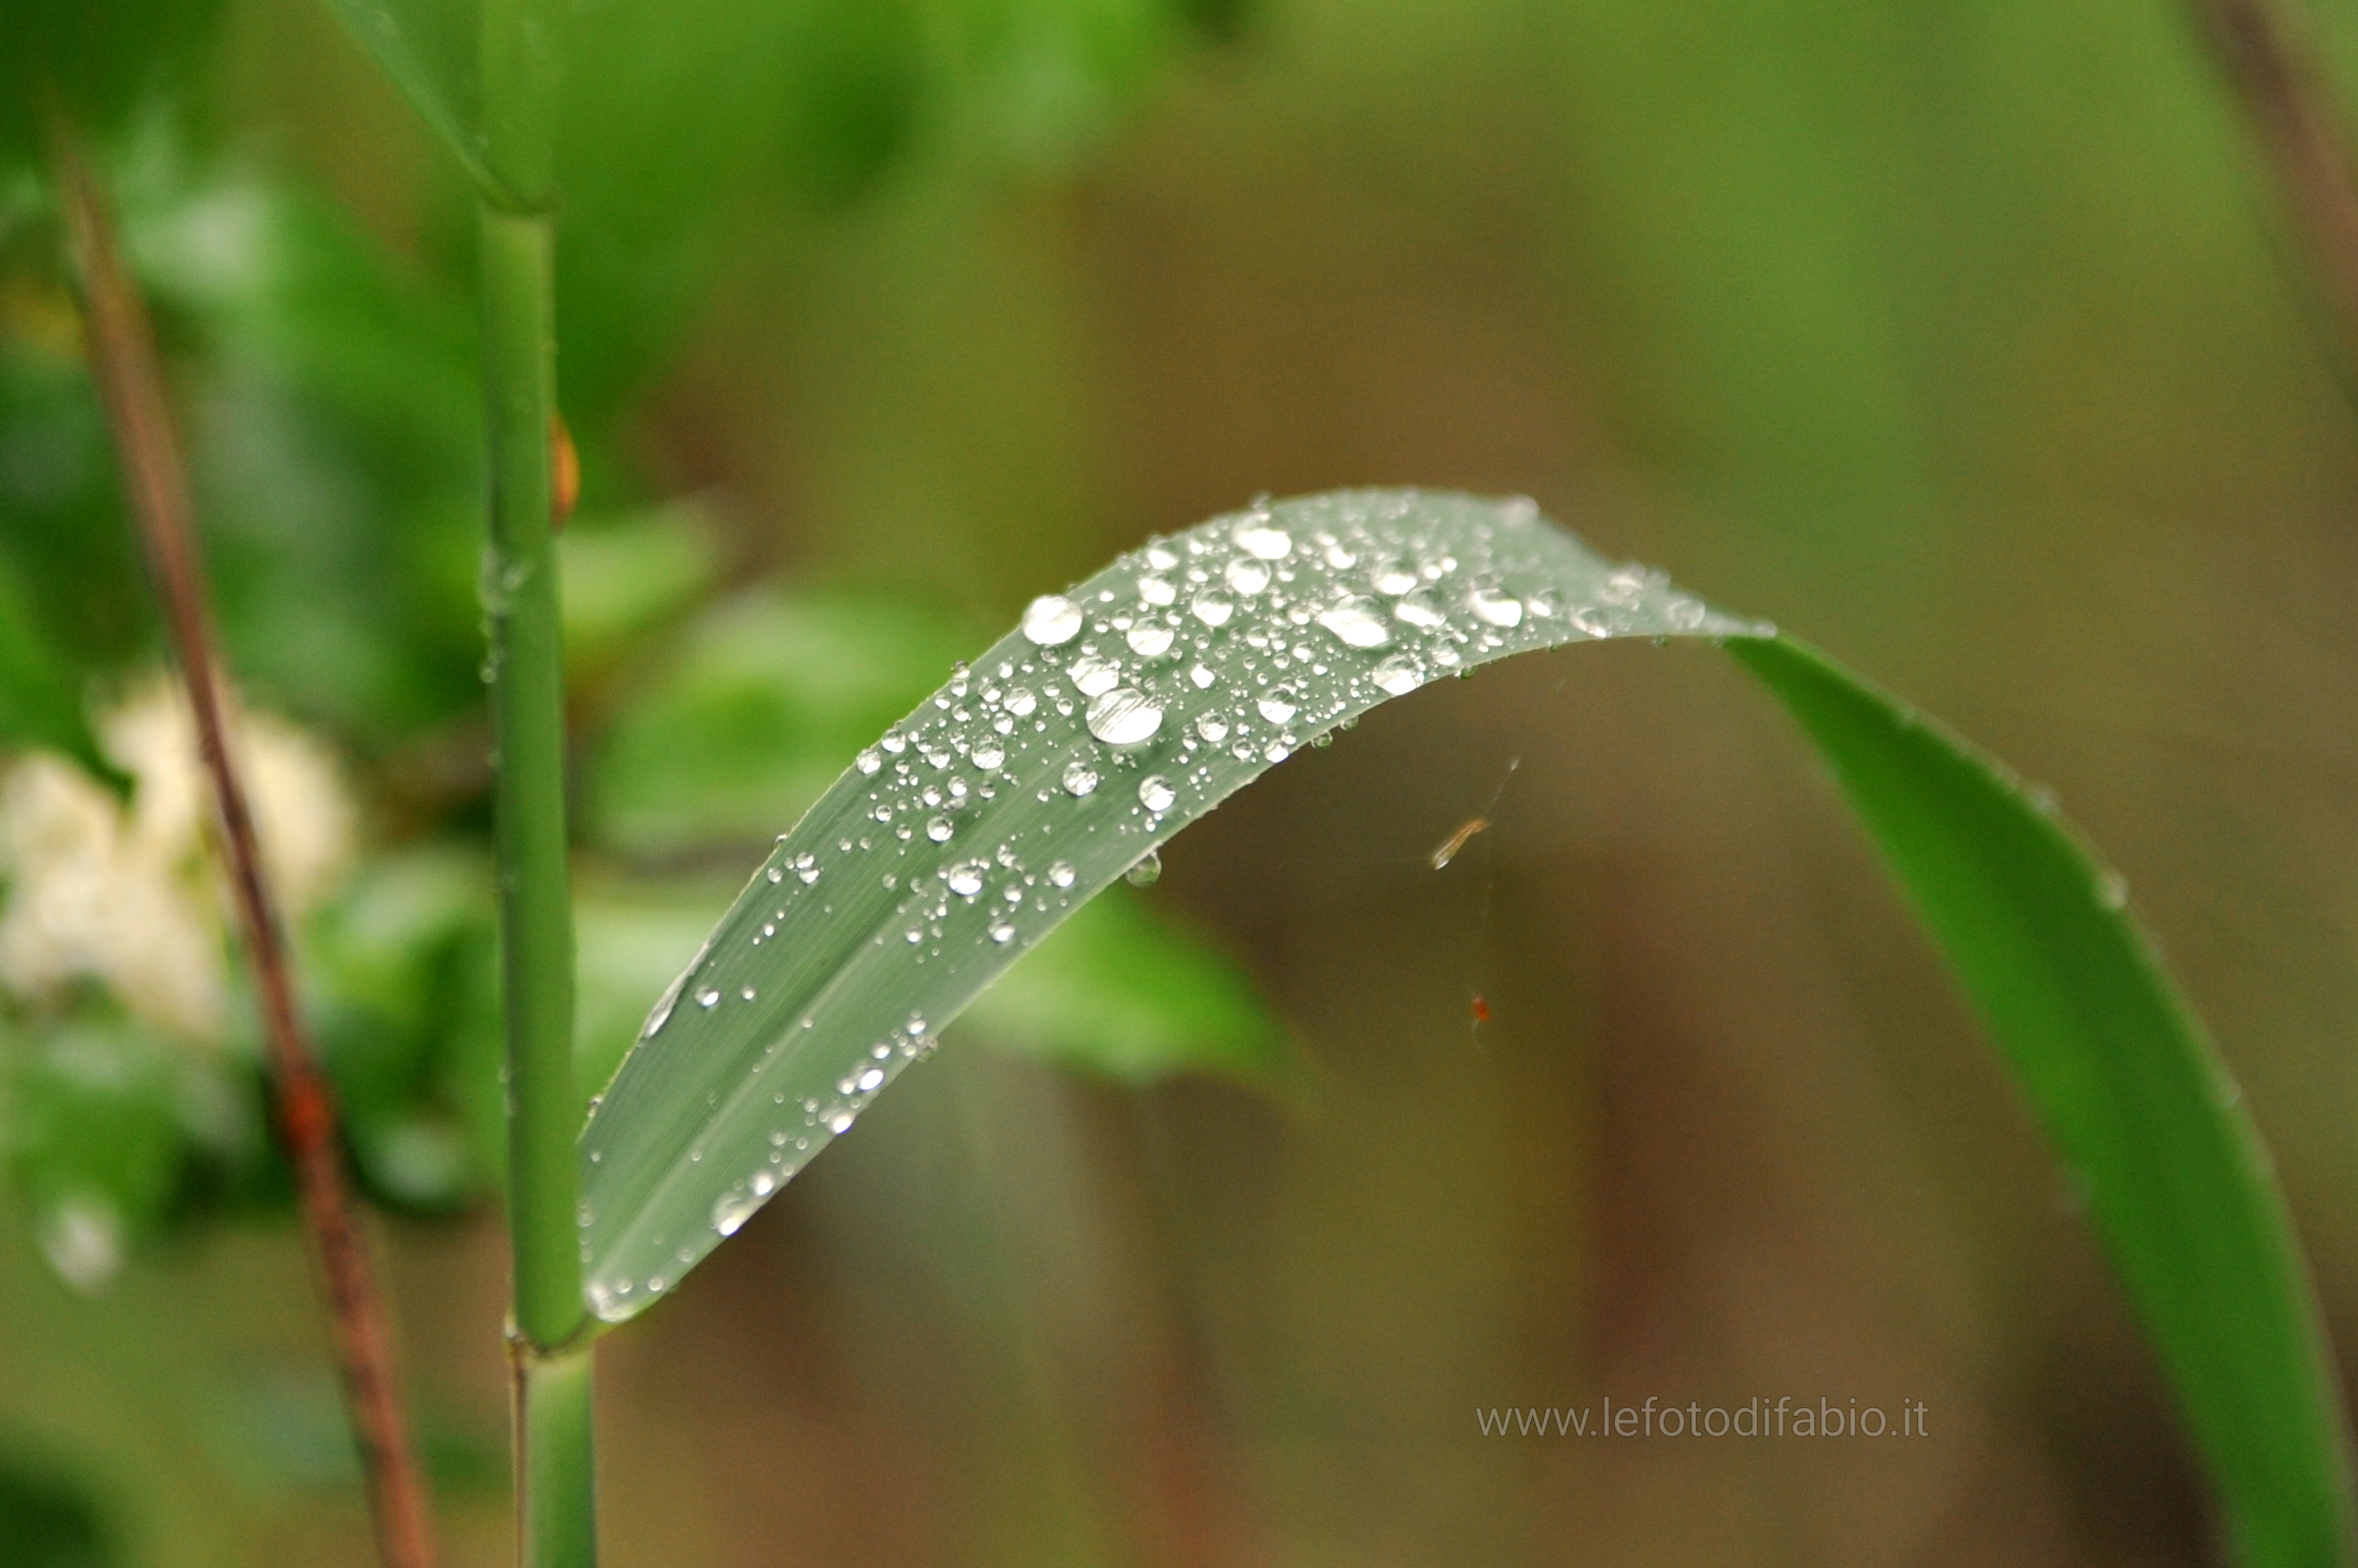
1784 1417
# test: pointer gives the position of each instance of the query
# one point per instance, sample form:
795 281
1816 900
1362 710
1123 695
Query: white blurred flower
131 896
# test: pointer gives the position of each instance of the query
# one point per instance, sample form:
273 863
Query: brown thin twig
130 383
2292 119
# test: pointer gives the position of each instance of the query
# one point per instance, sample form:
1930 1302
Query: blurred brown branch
130 383
2293 120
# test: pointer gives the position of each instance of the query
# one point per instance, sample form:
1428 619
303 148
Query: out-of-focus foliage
1951 334
331 415
94 60
751 714
46 1521
1114 992
679 125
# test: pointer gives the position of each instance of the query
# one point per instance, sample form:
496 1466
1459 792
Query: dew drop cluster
1115 714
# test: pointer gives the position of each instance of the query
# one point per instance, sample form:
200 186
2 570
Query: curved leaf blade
2125 1081
432 51
1113 718
732 1088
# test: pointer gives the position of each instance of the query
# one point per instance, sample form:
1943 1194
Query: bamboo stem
130 383
556 1486
527 722
556 1500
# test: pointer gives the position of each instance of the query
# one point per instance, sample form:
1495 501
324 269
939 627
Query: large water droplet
1398 676
1495 604
1052 619
1079 778
1392 576
869 760
1212 727
1021 702
1202 678
1060 874
1156 794
1151 639
1212 609
1092 675
1246 575
938 829
1147 872
1419 609
1156 590
731 1210
989 755
1358 623
1124 717
1262 541
966 878
1277 705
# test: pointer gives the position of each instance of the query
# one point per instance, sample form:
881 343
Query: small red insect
1481 1010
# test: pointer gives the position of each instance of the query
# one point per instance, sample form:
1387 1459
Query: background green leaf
2126 1083
40 705
750 717
1115 992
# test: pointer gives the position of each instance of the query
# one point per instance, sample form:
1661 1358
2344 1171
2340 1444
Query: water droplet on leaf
1495 606
1049 620
1263 542
1122 717
1398 676
1357 622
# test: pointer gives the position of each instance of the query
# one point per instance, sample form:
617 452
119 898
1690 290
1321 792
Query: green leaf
986 818
482 72
40 705
629 941
752 717
625 576
48 1519
431 49
399 1007
93 1133
99 60
2125 1081
1117 992
1106 723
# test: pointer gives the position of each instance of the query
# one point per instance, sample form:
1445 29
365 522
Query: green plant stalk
556 1490
555 1495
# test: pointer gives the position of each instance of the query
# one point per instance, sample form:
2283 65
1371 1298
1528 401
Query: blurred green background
1962 339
